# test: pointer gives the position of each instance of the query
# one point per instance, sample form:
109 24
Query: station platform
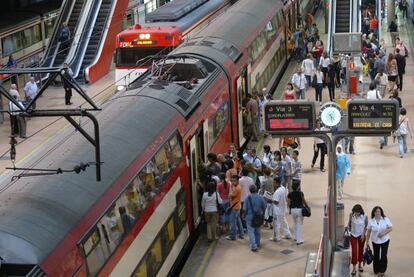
41 129
378 177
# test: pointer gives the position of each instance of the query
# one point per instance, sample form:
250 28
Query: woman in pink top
223 188
289 93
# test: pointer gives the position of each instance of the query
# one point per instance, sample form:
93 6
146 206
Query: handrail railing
77 59
317 268
102 40
331 25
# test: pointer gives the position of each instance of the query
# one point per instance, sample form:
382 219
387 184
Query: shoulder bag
258 218
220 208
397 132
306 210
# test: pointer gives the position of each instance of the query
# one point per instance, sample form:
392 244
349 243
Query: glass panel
27 37
162 168
132 56
169 234
49 25
37 34
155 258
142 270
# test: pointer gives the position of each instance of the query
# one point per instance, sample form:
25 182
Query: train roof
182 23
226 36
37 213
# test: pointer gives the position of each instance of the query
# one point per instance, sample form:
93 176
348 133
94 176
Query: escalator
342 16
94 30
72 24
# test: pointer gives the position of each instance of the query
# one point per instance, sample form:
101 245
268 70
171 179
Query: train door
197 154
241 84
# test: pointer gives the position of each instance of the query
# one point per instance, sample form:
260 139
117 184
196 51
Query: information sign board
373 115
282 116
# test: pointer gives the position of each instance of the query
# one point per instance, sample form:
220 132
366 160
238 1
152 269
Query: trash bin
353 82
340 222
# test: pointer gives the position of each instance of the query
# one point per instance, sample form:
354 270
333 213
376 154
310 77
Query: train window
217 122
141 270
181 212
155 258
20 40
130 206
169 235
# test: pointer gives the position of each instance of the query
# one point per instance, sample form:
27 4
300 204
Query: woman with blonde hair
392 70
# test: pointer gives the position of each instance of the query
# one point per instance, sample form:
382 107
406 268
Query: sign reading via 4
373 115
281 116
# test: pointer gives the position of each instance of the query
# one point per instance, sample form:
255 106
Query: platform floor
41 129
379 177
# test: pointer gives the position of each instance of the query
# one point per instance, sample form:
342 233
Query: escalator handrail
350 15
331 26
53 46
82 45
102 39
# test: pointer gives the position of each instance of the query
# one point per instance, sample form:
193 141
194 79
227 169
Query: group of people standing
239 187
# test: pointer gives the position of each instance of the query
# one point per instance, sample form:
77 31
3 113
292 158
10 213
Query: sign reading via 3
280 116
368 115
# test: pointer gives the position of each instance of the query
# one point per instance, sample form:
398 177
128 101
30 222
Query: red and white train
164 29
142 218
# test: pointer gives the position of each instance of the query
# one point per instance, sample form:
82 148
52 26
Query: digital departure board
378 115
282 116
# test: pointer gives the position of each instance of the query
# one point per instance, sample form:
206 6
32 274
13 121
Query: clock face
331 114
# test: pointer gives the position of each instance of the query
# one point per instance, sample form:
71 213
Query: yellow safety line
205 259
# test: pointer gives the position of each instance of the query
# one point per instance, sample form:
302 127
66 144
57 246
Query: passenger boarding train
143 217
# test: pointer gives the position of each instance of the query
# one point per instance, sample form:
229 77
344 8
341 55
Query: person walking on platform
401 67
17 122
279 212
343 168
252 111
31 90
324 62
319 146
254 206
267 190
379 227
317 83
209 204
393 29
289 93
331 82
357 226
404 128
296 202
67 71
308 68
287 169
299 82
235 207
392 71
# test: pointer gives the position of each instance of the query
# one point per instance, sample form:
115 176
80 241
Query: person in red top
317 52
289 93
373 25
223 188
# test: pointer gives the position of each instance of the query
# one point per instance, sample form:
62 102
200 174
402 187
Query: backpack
258 218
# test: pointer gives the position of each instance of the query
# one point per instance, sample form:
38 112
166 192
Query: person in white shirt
279 212
13 91
299 81
267 155
324 62
287 169
245 182
379 227
357 225
373 93
318 84
31 90
17 122
296 166
308 68
209 203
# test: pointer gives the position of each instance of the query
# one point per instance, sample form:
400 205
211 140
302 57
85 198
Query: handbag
220 208
397 132
306 210
258 218
314 81
368 256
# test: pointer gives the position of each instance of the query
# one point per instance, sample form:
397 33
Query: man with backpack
254 208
